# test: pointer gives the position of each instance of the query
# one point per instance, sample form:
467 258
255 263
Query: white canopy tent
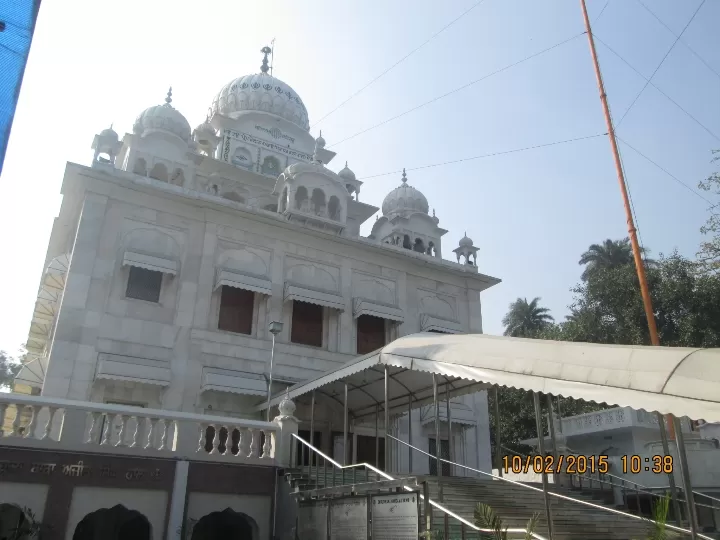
681 381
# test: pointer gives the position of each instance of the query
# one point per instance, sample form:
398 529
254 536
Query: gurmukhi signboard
349 519
395 517
312 520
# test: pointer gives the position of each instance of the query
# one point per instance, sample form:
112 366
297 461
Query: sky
531 213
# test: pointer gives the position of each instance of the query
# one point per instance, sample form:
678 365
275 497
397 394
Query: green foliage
486 518
709 254
9 368
609 254
660 516
526 319
29 528
432 535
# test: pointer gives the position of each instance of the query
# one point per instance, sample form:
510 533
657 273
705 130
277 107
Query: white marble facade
245 199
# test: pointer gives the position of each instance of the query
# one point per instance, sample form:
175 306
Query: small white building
175 249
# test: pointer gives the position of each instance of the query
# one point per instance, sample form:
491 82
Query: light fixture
275 327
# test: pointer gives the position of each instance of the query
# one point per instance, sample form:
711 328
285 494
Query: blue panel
17 24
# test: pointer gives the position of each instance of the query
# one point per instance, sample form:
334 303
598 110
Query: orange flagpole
632 232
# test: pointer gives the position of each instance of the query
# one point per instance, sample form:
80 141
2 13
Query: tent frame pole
387 419
541 445
345 427
687 484
410 456
498 436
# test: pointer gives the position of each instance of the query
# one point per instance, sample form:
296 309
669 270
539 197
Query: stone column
288 426
177 501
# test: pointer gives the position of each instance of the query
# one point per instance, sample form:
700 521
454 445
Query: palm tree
526 319
609 254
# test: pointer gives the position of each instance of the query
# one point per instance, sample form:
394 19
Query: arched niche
270 166
159 172
228 525
178 178
319 202
116 523
242 158
302 202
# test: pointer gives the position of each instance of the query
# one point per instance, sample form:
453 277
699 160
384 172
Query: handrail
551 493
408 488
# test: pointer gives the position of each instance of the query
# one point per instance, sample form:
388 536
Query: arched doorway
228 525
14 524
116 523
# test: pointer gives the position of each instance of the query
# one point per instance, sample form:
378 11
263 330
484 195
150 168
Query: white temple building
177 247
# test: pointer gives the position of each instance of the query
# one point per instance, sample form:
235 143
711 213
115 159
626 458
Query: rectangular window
370 333
307 324
144 284
444 454
236 310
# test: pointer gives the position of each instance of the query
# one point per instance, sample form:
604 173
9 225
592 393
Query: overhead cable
660 64
656 88
463 87
416 49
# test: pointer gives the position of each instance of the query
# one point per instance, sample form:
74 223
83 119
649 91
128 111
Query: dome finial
168 98
404 177
266 51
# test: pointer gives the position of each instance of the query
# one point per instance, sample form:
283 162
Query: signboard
395 517
349 519
312 521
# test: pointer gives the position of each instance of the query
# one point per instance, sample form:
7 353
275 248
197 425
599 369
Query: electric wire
416 49
463 87
452 162
663 169
698 122
661 63
601 12
707 65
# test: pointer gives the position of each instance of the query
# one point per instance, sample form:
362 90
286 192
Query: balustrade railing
85 426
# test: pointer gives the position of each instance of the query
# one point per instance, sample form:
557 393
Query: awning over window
361 306
33 372
677 380
150 262
312 296
125 368
243 281
234 382
428 323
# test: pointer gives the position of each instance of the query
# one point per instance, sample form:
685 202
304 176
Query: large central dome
261 92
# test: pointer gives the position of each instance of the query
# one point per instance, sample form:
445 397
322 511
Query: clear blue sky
532 214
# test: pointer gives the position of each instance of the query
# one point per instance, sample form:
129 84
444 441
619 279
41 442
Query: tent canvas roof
682 381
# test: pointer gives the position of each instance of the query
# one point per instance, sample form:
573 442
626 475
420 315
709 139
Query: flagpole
272 55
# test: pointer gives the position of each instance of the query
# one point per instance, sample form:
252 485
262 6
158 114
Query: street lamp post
275 328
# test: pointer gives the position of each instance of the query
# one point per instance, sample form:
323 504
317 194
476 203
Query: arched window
419 246
334 208
301 199
178 178
406 242
232 196
159 172
242 158
318 202
270 166
430 249
140 167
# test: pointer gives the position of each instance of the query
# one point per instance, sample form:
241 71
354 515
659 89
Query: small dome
163 118
203 130
465 241
109 133
405 200
347 174
320 140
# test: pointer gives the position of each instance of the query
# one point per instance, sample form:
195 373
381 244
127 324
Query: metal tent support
541 444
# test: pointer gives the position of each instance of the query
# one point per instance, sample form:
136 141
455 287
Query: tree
9 368
526 319
709 254
609 254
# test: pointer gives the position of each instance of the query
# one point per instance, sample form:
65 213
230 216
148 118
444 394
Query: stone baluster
203 435
228 441
30 429
16 424
164 434
244 442
134 442
216 439
151 433
3 408
51 417
268 446
107 428
121 434
253 436
90 439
